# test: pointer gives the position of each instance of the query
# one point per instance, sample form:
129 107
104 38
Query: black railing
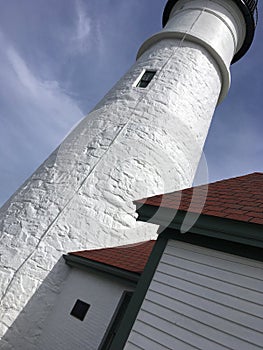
252 6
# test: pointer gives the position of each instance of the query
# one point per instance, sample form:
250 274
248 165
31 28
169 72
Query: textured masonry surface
135 143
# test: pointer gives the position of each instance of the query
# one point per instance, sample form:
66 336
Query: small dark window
80 309
146 78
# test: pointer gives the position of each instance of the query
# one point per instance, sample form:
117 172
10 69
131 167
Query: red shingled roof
131 258
239 198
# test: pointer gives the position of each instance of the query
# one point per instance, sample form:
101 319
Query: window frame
116 320
140 79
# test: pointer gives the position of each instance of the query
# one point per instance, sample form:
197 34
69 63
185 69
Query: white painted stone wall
135 143
102 292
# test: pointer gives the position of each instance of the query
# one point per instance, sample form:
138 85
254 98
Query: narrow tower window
80 309
146 78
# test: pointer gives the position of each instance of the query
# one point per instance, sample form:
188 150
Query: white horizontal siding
201 299
101 291
153 337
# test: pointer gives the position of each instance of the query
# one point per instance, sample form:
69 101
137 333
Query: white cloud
24 76
45 96
83 24
35 114
84 29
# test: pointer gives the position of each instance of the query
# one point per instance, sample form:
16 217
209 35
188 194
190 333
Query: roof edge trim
227 229
83 263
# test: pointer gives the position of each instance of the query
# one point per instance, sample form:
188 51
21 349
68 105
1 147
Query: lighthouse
144 137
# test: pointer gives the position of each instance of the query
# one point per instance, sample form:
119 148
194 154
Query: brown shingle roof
131 258
239 198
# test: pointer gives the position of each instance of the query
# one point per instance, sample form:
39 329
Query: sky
58 58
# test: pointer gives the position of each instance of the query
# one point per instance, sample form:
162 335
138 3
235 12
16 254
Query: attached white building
202 289
94 297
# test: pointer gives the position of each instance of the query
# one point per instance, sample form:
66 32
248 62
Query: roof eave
211 226
83 263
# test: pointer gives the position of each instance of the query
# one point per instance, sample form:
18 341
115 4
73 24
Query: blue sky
57 60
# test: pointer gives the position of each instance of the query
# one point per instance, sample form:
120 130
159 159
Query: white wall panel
204 299
65 332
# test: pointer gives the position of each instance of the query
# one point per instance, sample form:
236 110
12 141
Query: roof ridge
130 257
124 246
221 180
239 198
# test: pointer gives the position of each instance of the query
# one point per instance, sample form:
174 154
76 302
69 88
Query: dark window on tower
80 309
146 78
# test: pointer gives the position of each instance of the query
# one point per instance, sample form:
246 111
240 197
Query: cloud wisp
41 113
83 28
86 34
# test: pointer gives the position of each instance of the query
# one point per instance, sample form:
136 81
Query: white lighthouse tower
145 137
